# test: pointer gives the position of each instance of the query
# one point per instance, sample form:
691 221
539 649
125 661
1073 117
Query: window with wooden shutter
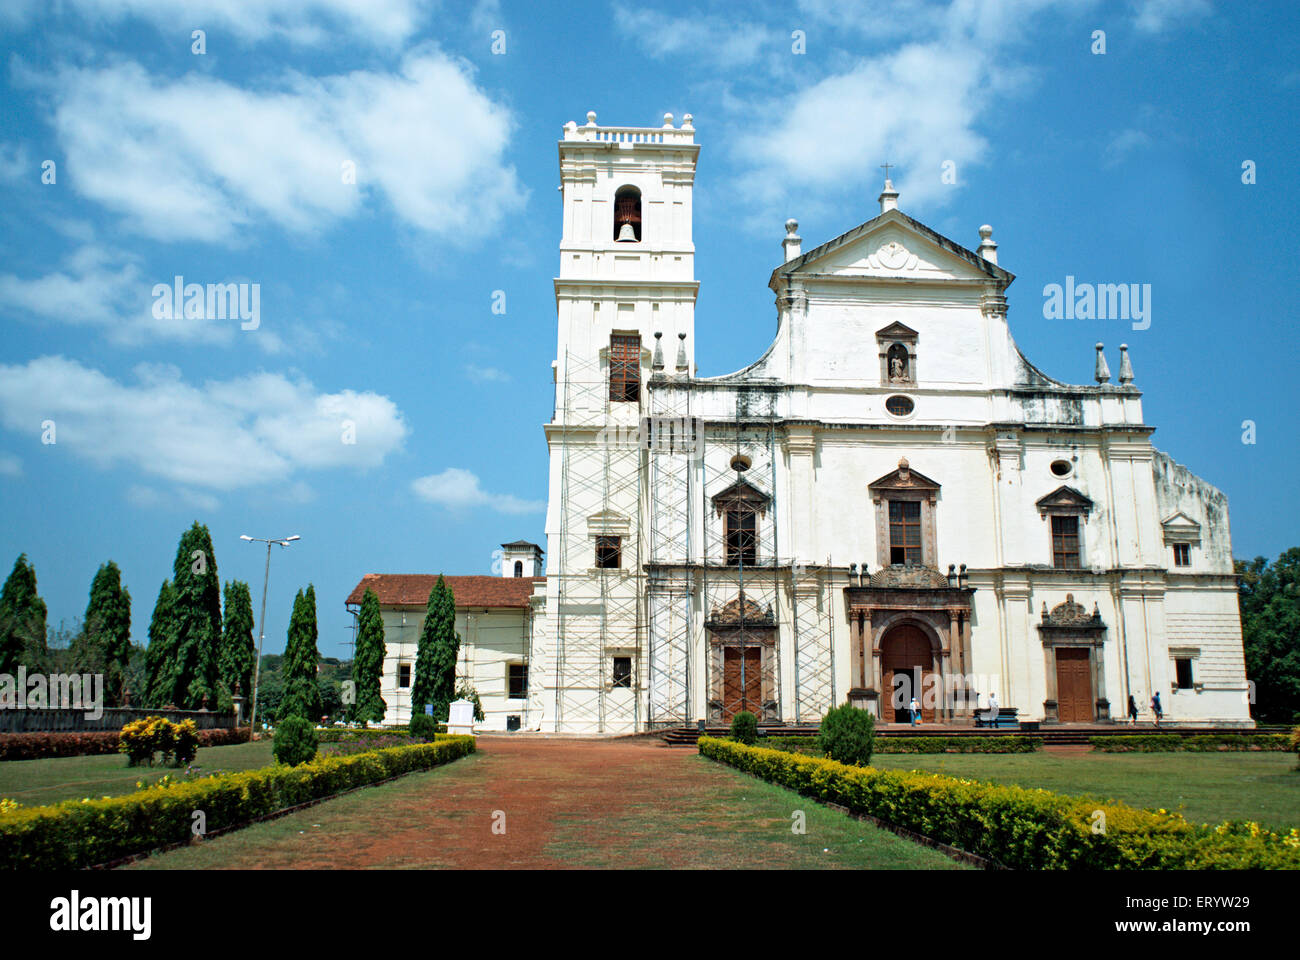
905 531
625 367
1065 542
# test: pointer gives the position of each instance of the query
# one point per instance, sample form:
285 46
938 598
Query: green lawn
1205 787
37 782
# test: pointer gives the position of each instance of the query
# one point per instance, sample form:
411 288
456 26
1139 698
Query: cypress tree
22 617
235 662
108 628
368 661
301 694
435 657
160 655
198 618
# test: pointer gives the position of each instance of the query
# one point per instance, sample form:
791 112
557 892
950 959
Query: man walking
1155 707
1132 710
915 709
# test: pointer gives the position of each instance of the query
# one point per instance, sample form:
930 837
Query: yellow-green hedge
76 834
1026 829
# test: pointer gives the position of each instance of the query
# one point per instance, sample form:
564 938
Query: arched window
627 214
519 568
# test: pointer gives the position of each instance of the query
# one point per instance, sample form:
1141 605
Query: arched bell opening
627 215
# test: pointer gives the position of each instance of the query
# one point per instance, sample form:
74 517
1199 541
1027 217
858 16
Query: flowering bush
81 743
1017 827
76 834
141 739
6 804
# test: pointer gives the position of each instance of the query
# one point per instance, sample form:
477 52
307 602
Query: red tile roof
412 589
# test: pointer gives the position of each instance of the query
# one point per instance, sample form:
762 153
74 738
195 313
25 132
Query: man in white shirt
993 709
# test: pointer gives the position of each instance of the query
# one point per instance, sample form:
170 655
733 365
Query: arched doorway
907 670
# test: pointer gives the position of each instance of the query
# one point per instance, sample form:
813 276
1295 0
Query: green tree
368 661
238 653
301 693
435 655
1269 597
160 655
107 629
198 618
22 618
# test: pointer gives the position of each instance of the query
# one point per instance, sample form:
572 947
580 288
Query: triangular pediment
741 492
1180 528
896 331
904 478
1065 500
893 245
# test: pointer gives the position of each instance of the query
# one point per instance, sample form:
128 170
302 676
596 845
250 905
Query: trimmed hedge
81 743
75 834
347 734
1206 743
808 745
1020 828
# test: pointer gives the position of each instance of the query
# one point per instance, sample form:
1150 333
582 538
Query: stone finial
591 118
1103 371
792 242
903 467
688 122
1125 367
888 197
1044 611
988 248
681 353
668 121
658 362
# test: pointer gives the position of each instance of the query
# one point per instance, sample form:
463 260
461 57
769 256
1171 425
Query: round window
1062 468
899 406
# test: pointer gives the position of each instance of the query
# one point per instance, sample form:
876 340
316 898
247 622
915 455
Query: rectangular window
905 531
742 536
517 681
624 367
1182 554
609 553
1065 542
623 671
403 675
1183 671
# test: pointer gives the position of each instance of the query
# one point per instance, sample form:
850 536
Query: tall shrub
368 661
197 617
108 628
160 655
301 659
435 656
22 616
847 734
237 653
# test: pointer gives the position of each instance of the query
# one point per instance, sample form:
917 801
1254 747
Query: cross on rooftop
885 167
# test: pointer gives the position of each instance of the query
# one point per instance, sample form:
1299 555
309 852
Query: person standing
1132 710
915 709
1155 707
993 709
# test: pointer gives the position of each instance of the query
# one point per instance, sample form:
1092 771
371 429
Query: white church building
892 501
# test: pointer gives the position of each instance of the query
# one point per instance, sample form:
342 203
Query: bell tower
627 260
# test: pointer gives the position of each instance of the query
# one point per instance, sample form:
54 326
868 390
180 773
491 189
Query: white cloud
104 288
458 489
223 435
302 22
486 374
706 38
1123 144
1154 16
201 159
10 465
920 105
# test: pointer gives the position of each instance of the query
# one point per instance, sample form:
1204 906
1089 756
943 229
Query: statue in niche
898 371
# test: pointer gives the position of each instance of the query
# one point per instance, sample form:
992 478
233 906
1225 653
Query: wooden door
742 681
907 666
1074 701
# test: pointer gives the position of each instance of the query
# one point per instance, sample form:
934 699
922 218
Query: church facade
892 501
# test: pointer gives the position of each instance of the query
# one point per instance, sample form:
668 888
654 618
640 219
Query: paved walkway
528 803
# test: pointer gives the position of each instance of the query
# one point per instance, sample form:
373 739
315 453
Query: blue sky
376 296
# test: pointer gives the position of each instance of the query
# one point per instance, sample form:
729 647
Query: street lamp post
261 631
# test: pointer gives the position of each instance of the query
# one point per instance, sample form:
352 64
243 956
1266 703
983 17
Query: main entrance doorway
907 668
742 681
1074 696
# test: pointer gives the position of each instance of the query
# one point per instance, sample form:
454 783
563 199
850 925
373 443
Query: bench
1006 718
